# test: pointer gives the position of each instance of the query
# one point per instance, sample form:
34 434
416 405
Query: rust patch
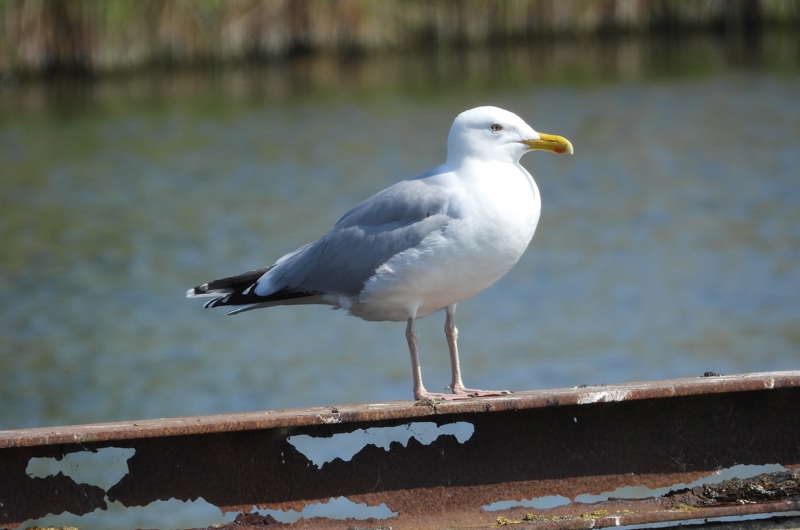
766 487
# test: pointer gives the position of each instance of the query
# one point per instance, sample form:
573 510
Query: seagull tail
238 292
228 285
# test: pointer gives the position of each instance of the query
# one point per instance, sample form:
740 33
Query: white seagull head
492 134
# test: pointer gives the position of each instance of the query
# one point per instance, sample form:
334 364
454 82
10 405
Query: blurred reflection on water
668 244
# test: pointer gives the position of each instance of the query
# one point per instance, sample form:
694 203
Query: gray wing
367 236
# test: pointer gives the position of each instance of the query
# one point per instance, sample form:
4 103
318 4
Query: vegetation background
90 36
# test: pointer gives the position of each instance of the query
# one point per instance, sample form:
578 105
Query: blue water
668 246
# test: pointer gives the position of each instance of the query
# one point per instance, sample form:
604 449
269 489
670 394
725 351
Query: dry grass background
94 36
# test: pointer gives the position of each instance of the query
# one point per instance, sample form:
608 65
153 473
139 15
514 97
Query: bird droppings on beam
679 450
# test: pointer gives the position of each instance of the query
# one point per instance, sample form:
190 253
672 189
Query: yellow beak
550 142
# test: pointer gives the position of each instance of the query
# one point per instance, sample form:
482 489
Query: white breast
491 225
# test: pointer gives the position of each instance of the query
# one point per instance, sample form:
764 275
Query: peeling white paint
333 418
102 468
185 514
603 396
539 503
741 471
320 450
333 508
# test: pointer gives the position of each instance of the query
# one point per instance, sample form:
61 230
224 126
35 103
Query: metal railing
474 463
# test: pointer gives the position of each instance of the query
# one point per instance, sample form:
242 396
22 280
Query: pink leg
413 338
413 348
457 386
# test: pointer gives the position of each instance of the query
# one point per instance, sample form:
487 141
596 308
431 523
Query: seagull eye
496 127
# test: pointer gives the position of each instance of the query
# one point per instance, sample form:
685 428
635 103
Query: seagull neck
459 162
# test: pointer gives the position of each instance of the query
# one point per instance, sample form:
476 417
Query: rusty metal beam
564 442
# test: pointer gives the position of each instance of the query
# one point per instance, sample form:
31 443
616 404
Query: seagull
419 246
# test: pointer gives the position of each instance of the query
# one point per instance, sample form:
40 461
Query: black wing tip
216 302
245 300
195 291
